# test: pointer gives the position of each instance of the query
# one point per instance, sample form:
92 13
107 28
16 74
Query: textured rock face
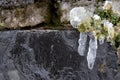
8 3
23 17
67 5
26 13
116 6
51 55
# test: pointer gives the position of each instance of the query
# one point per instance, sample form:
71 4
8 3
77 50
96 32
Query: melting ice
82 43
91 55
92 51
77 15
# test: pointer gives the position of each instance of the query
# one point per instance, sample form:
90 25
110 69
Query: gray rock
117 76
1 76
13 75
8 3
116 6
51 55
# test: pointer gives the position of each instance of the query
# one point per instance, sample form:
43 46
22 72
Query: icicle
82 43
91 55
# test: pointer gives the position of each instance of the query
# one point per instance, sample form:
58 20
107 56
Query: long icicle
82 44
91 55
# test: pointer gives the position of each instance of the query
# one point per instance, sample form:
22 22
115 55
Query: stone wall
9 3
48 54
52 55
15 14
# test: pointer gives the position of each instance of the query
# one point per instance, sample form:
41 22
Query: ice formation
91 55
77 16
94 26
82 43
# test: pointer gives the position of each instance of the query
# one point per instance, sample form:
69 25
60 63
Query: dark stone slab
9 3
51 55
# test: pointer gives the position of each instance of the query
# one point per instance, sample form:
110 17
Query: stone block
52 55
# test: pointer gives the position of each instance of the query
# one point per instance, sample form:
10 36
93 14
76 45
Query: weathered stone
1 76
118 54
13 75
19 13
52 55
116 6
66 6
29 13
9 3
23 17
117 76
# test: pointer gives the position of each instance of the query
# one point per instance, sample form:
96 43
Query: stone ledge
33 12
51 55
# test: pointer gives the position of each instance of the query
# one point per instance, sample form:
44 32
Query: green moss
108 15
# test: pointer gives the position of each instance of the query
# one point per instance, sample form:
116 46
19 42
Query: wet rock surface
51 55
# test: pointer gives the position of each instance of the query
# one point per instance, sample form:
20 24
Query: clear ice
77 16
82 44
91 55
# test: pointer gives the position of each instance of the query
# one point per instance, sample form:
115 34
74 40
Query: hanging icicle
91 55
96 26
82 44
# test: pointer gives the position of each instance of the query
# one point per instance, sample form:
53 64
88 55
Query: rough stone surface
66 6
1 76
30 15
116 6
26 13
8 3
13 75
51 55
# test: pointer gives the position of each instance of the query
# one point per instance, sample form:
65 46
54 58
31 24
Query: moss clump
108 15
